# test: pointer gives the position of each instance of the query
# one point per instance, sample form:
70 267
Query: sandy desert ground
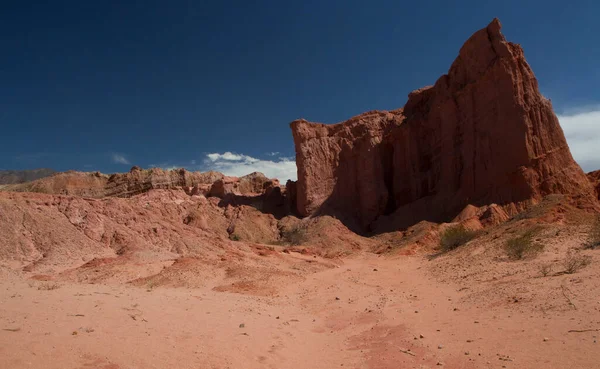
402 309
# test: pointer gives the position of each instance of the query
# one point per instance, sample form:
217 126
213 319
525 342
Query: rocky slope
21 176
52 232
483 134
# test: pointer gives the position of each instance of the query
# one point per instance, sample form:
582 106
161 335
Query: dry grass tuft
574 262
48 286
293 236
454 237
523 246
545 269
594 235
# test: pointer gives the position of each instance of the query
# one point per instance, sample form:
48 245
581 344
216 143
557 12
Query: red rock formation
484 216
343 164
252 184
223 187
482 134
255 190
139 180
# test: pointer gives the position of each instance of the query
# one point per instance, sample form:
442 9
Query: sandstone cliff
482 134
343 165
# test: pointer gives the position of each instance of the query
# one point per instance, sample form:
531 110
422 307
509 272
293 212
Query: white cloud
239 165
120 159
225 156
275 153
582 129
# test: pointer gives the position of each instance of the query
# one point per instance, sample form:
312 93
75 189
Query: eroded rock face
139 180
252 184
343 166
485 216
482 134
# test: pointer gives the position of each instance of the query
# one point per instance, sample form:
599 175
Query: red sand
367 312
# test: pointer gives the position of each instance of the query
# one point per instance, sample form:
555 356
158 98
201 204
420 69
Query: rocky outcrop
343 165
138 180
252 184
483 134
256 190
485 216
224 187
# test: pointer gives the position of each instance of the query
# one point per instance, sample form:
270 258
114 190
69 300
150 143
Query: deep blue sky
166 82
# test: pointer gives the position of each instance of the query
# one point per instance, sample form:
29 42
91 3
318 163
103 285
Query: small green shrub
151 284
294 236
594 235
454 237
520 247
48 286
234 237
575 262
545 269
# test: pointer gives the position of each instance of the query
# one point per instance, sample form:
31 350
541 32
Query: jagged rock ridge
254 189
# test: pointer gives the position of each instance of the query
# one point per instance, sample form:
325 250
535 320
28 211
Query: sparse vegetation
594 235
234 237
522 246
293 236
540 209
454 237
48 286
574 262
151 284
545 269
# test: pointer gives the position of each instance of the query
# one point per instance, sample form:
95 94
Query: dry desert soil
407 308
